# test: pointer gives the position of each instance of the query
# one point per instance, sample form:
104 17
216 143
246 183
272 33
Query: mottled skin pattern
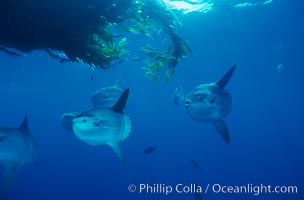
208 103
101 126
211 103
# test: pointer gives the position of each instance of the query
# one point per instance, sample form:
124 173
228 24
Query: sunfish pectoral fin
121 102
221 127
67 120
11 172
225 79
116 148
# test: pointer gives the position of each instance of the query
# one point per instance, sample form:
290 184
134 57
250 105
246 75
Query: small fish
179 96
150 150
280 68
118 36
194 164
64 60
10 52
61 56
136 59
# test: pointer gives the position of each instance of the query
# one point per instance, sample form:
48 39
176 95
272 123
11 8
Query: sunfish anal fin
225 79
24 126
11 172
116 148
221 127
121 102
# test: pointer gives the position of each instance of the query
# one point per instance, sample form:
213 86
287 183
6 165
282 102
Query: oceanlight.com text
166 189
253 189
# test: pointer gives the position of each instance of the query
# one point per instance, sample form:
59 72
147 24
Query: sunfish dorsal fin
116 148
225 79
118 83
121 102
222 129
24 126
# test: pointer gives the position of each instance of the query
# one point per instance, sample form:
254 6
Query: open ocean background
266 122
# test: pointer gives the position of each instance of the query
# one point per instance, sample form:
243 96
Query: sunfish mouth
187 103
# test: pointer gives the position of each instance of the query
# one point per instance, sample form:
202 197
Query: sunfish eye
84 120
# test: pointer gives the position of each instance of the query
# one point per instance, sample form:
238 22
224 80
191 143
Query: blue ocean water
264 41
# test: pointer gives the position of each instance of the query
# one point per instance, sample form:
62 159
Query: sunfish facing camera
211 103
101 126
17 147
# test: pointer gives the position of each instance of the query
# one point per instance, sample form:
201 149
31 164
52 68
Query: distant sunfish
149 150
194 164
17 147
101 126
211 103
106 97
179 96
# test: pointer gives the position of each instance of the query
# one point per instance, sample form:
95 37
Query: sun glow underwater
205 6
189 6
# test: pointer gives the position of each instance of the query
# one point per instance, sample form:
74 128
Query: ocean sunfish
101 126
211 103
17 147
106 97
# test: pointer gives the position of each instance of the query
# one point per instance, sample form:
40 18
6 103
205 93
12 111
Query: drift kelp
153 18
79 28
86 30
